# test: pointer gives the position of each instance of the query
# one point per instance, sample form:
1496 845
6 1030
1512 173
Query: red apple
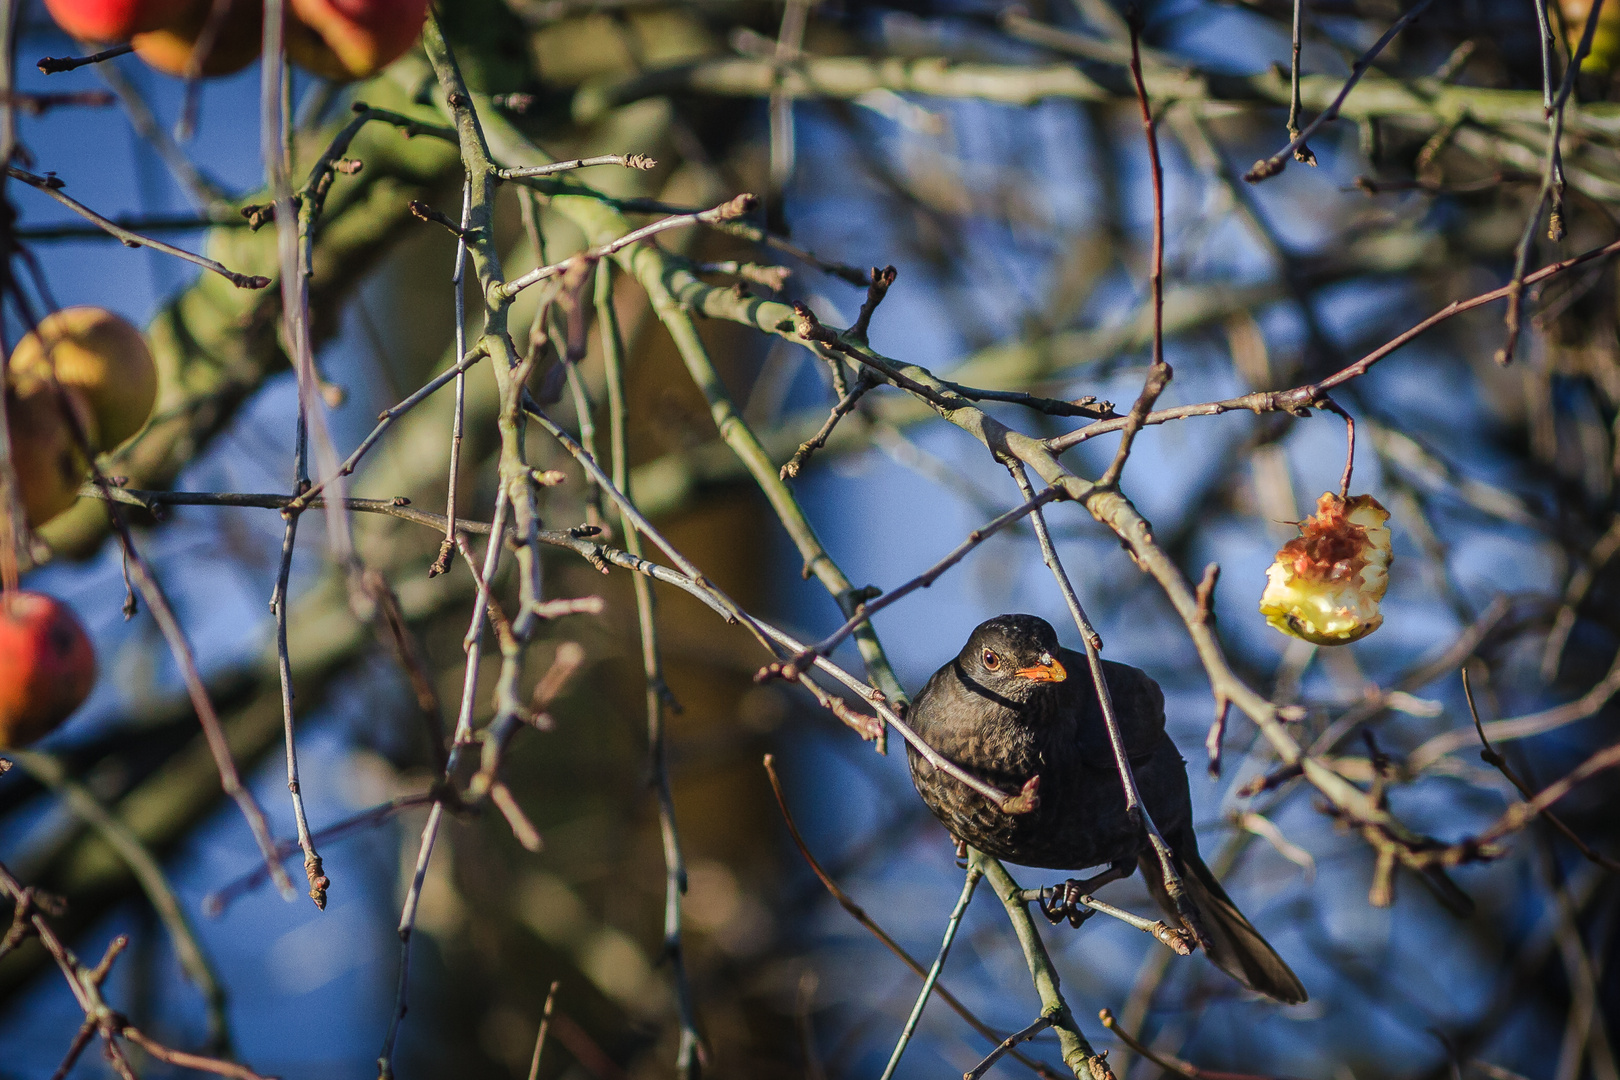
352 39
116 20
47 666
169 48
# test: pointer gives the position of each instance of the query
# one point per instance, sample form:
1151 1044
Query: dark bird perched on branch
1006 709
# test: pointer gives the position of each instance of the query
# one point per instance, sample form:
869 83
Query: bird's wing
936 712
1138 706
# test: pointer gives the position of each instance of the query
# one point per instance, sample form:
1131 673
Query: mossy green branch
1078 1055
850 77
646 263
653 269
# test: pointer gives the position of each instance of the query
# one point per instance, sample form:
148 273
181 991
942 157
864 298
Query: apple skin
169 48
115 20
44 454
341 40
97 356
47 666
352 39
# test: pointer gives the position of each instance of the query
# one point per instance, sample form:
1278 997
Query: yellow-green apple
97 356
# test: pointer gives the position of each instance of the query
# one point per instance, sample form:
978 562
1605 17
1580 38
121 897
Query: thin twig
545 1024
1092 643
951 926
841 409
729 210
867 608
399 506
52 185
1305 396
290 230
51 65
459 304
630 161
157 603
386 418
1179 941
1350 444
207 38
214 903
1491 756
1005 1045
430 829
1166 1062
1276 163
1552 186
1160 373
1302 153
691 1051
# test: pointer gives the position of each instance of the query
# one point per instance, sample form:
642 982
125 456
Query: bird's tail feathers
1232 943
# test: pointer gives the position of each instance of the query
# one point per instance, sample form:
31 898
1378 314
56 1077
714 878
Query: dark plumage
1014 704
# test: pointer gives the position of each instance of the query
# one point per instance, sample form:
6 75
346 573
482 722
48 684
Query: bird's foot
1060 902
961 855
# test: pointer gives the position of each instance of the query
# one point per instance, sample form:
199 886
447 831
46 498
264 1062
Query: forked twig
1491 756
951 926
859 914
52 186
1005 1045
1168 1063
1266 168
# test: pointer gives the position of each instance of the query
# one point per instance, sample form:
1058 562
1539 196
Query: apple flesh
47 666
115 20
352 39
96 356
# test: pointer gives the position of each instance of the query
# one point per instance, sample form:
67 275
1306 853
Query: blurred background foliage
991 152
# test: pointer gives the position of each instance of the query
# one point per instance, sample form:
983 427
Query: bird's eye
991 660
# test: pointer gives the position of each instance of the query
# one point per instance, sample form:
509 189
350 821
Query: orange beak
1048 670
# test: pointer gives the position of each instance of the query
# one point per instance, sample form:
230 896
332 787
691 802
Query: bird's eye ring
991 660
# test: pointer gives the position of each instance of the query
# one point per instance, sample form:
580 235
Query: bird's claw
1060 902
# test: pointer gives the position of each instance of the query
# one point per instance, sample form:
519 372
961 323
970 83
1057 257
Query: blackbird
1006 709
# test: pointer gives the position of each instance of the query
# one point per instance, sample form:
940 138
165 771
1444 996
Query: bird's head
1013 656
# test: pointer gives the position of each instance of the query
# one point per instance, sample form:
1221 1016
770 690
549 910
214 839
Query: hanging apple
115 20
47 666
1326 583
352 39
